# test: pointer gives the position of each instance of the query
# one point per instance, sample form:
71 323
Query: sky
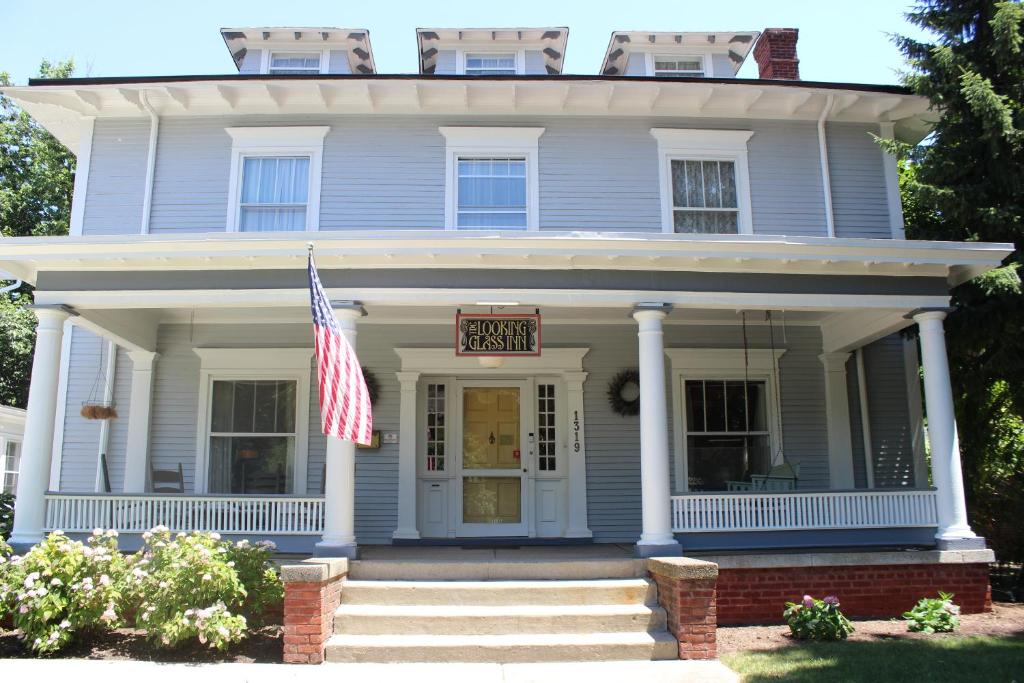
839 41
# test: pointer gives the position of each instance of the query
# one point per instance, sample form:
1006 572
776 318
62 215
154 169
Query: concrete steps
496 570
525 647
499 621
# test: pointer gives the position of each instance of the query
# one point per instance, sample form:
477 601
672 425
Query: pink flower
808 601
831 600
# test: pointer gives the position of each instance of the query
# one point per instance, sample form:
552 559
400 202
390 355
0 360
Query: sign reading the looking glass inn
497 334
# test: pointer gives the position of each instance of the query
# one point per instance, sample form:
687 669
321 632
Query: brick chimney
775 54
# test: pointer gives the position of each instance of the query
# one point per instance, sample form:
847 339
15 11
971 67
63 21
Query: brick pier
312 593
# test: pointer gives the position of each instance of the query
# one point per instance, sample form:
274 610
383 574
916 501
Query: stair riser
527 653
392 570
496 595
480 625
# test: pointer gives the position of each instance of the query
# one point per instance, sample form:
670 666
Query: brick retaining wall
312 593
686 591
758 595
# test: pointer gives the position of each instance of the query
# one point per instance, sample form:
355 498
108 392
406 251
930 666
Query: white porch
843 318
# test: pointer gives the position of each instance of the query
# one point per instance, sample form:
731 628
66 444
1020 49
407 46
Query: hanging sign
497 334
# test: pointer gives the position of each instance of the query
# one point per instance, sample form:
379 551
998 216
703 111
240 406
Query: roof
355 42
736 44
550 41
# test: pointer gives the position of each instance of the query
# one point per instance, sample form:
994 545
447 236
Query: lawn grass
975 658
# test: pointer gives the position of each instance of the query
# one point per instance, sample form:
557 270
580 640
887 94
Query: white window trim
254 364
5 440
705 145
480 141
704 58
267 50
711 364
276 141
518 53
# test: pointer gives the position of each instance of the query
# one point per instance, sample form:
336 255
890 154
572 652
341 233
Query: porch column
954 531
339 538
577 453
837 418
37 446
656 539
137 442
407 457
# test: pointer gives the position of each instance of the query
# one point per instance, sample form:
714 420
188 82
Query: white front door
493 454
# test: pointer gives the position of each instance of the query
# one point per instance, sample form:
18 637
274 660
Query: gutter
154 131
826 180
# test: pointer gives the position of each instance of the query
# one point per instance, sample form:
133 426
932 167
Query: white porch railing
778 511
285 515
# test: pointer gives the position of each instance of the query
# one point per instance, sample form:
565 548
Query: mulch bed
1005 619
263 646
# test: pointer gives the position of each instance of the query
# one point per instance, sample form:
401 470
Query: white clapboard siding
281 515
801 511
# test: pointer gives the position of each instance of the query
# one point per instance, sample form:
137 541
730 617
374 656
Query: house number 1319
576 431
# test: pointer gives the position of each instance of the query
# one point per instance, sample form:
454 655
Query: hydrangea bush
934 615
62 588
198 586
812 619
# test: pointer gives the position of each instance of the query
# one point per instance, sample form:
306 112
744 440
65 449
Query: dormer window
490 64
294 63
677 67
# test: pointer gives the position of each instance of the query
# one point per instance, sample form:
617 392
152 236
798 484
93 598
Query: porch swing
782 475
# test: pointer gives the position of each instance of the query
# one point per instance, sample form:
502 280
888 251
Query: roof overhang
550 41
955 261
735 44
354 41
62 106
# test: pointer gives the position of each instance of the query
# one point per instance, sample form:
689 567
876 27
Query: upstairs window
492 193
677 67
294 63
704 196
275 194
705 180
487 64
275 178
491 178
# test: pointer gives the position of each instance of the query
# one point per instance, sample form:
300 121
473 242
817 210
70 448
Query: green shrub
812 619
62 588
198 586
933 615
6 515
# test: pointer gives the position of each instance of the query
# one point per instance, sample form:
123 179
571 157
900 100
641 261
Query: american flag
344 399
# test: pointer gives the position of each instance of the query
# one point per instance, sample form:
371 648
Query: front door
493 458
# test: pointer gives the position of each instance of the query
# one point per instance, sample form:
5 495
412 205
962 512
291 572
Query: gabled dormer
300 51
492 51
677 55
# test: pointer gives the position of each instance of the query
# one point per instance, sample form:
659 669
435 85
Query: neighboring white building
12 432
737 242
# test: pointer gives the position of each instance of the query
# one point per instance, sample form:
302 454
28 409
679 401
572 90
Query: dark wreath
620 405
372 385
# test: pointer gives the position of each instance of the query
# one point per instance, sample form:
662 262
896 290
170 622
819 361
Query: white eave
735 44
550 41
61 108
955 261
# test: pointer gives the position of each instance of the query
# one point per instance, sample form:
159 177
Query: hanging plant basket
98 411
624 393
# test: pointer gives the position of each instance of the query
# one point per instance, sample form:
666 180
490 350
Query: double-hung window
12 463
294 63
275 178
676 67
252 436
727 438
491 178
490 64
705 180
492 193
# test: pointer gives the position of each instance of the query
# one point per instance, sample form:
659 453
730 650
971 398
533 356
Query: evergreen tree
966 182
